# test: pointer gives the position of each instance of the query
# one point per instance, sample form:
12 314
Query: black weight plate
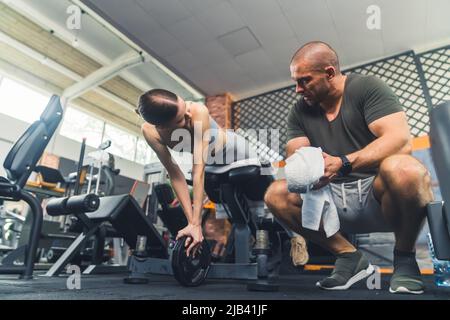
190 271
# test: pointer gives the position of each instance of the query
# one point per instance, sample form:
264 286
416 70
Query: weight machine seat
219 169
244 175
50 175
125 215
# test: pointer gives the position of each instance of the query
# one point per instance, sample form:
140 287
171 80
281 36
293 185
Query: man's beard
310 102
317 98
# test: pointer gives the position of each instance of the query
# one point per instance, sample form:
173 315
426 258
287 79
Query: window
78 125
21 102
144 154
123 144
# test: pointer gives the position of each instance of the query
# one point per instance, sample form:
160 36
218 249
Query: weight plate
190 271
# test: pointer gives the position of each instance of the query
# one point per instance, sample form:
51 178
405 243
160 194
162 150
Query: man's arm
295 144
296 135
393 137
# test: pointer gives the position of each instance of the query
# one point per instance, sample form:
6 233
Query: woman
187 126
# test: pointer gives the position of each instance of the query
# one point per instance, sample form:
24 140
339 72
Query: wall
219 107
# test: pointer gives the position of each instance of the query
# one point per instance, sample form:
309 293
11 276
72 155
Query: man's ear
331 72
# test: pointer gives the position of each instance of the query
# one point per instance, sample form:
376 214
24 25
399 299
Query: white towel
303 169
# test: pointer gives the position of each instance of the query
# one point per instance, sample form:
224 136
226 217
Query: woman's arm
200 121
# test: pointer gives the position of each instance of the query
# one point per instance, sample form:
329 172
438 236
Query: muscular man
376 184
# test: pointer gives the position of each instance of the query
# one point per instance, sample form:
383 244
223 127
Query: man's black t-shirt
366 99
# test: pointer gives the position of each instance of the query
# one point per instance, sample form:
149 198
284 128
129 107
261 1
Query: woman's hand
194 235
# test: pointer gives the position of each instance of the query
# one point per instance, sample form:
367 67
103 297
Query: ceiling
244 46
94 40
37 47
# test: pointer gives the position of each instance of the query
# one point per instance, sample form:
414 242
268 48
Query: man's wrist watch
346 167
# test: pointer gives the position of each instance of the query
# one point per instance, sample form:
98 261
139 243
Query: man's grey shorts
358 209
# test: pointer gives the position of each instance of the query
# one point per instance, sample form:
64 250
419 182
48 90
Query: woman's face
180 119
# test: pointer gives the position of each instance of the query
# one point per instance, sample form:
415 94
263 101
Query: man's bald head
316 55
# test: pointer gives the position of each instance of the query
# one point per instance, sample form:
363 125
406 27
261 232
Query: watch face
346 166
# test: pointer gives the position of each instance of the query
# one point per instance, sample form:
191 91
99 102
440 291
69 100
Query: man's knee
276 192
404 174
280 200
403 171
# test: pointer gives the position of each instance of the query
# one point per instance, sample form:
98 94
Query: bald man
376 184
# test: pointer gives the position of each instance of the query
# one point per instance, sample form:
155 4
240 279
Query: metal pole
35 234
99 175
423 83
80 167
98 77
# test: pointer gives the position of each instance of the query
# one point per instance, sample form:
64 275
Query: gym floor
111 287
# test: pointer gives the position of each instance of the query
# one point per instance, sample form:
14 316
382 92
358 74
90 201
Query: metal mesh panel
265 111
401 72
260 141
436 68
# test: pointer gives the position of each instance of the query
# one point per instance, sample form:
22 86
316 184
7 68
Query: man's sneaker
299 251
349 268
406 277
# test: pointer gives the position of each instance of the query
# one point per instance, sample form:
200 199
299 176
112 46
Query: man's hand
332 166
194 236
323 181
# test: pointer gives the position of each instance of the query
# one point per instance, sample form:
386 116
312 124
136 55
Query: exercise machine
19 164
89 245
438 211
231 186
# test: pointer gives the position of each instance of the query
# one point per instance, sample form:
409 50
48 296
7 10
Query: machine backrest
23 156
52 114
440 149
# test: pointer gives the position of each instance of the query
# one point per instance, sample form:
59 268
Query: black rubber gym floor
111 287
